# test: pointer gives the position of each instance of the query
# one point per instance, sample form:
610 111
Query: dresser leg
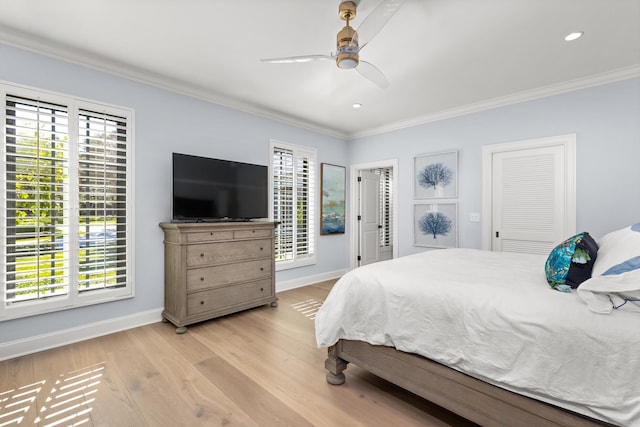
181 330
274 303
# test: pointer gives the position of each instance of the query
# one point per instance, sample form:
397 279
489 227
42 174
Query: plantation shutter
102 179
293 172
304 204
283 202
385 206
67 202
37 200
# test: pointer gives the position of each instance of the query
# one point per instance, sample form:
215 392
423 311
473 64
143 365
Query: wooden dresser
213 269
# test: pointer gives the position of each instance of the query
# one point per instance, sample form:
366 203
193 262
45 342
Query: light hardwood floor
260 367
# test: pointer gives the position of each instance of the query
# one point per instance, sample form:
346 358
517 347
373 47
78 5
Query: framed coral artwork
436 175
435 225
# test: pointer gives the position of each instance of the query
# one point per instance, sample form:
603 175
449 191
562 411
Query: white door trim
569 144
353 205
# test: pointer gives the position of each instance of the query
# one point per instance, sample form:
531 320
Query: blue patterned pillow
570 263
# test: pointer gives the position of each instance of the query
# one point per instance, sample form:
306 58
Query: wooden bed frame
466 396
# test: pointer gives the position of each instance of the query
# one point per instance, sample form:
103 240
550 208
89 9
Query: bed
482 334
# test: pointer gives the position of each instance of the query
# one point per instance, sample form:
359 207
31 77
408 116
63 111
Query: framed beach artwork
332 190
436 175
435 225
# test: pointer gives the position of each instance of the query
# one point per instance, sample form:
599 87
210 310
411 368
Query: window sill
287 265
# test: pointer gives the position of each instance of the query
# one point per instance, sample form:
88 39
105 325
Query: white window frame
73 298
309 258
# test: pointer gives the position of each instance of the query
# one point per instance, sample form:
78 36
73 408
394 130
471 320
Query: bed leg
334 366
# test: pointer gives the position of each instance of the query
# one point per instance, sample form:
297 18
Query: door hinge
359 217
497 234
359 179
359 258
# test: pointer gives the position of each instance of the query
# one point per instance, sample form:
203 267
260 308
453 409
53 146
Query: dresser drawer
220 275
209 236
249 234
215 299
214 253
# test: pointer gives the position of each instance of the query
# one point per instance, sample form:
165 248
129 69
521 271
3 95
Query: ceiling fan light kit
347 60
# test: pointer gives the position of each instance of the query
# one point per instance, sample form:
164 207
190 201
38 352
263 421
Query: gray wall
605 119
164 122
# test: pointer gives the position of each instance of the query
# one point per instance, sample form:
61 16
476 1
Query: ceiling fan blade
376 20
373 74
298 59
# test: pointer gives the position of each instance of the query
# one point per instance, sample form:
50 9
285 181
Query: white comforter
493 316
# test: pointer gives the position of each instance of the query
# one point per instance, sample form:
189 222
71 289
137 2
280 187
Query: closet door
532 189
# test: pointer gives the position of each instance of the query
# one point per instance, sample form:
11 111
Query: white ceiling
441 57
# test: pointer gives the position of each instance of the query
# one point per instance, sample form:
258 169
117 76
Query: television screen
206 189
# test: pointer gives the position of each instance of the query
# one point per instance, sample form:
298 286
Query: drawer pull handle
262 249
261 289
261 268
211 234
201 255
202 279
201 302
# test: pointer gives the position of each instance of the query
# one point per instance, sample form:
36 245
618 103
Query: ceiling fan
350 42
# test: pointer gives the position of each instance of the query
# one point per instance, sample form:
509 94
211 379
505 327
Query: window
66 215
293 204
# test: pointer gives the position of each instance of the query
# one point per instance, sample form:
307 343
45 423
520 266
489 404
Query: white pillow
616 248
604 293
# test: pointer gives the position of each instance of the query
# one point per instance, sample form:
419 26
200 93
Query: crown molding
529 95
88 59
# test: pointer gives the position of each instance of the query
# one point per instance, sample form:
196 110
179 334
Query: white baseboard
37 343
17 348
308 280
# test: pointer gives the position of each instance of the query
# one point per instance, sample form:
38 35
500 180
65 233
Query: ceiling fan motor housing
347 40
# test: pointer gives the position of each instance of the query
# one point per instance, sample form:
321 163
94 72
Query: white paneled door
369 217
531 186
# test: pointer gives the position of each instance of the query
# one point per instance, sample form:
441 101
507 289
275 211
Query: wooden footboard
468 397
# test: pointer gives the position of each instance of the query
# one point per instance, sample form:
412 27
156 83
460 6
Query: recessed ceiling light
357 105
574 36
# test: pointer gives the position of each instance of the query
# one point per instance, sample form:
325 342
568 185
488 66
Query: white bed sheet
493 316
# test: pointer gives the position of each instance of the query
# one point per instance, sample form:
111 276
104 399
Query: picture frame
332 199
436 175
435 225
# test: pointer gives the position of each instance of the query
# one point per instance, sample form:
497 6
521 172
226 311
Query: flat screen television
206 189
